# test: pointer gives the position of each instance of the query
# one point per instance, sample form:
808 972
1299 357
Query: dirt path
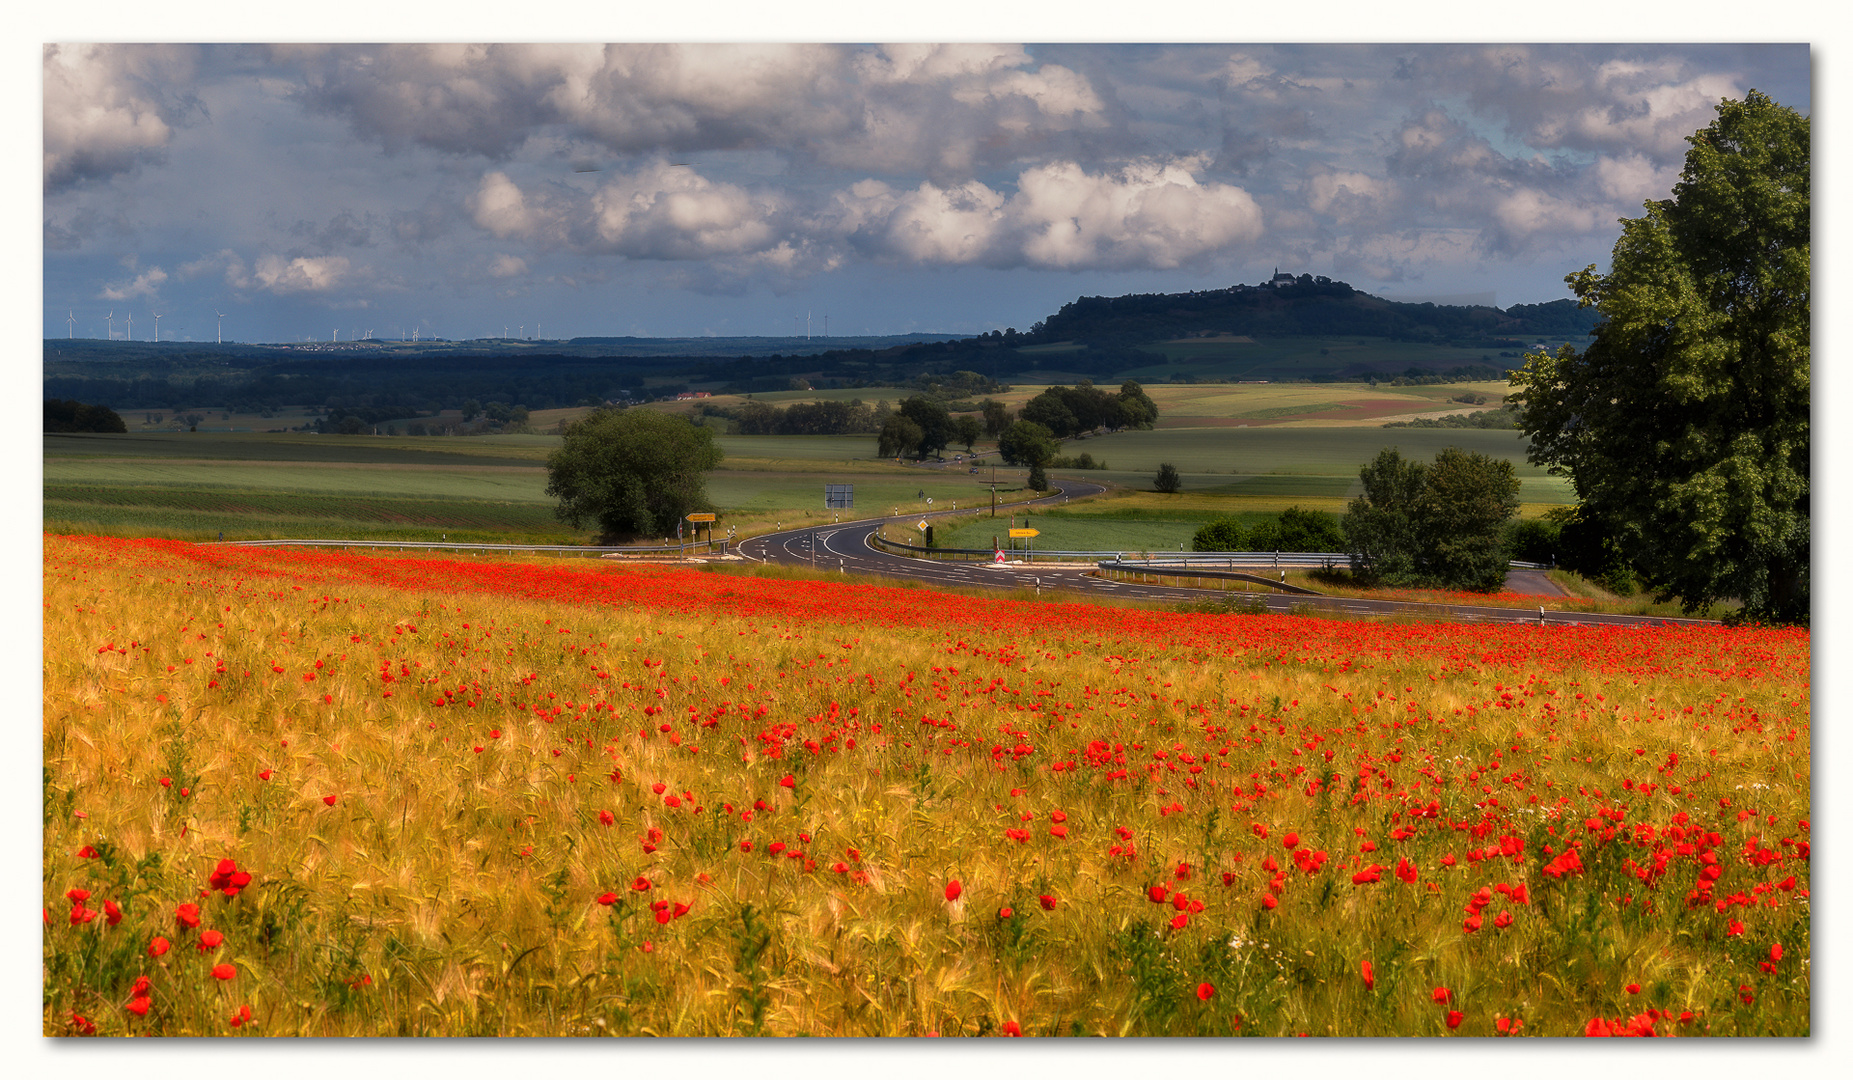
1532 583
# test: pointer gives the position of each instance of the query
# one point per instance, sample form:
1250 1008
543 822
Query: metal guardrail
1207 560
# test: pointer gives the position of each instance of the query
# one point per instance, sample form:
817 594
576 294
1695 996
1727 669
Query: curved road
847 546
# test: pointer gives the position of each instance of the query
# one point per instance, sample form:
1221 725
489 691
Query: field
293 793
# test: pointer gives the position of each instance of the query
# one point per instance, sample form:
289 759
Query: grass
491 797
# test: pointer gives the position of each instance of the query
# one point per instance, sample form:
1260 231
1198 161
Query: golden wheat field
300 794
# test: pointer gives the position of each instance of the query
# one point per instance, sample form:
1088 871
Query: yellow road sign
1024 534
701 517
923 524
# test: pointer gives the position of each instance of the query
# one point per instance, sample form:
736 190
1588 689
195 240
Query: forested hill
1309 306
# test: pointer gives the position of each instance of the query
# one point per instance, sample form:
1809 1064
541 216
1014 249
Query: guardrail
1207 560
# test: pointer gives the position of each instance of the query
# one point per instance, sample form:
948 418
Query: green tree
1038 480
631 472
1440 523
1027 443
1461 519
934 421
1167 479
1137 410
966 431
996 417
898 436
1684 427
1223 534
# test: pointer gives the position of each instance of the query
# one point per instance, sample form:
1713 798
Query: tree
898 436
1432 524
966 431
1299 530
1138 410
996 417
934 421
1038 480
1684 426
62 415
631 472
1027 443
1223 534
1167 479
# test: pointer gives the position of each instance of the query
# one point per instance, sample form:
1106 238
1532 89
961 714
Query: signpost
839 496
1025 534
698 520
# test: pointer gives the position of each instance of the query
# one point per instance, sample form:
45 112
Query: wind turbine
110 319
335 335
157 329
523 328
70 324
221 316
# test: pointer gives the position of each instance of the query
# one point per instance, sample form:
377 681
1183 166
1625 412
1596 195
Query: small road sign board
1024 534
701 517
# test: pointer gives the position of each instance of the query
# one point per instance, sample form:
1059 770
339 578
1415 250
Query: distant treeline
62 416
1504 418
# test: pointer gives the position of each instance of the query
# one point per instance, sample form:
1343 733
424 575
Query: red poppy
642 884
139 1005
77 896
1370 975
265 775
954 889
788 780
1775 953
210 940
142 987
1060 832
86 852
1205 991
1048 902
605 818
1454 1019
1013 1029
187 915
1441 995
158 947
1269 902
1633 988
1503 919
224 972
1291 840
328 800
1005 913
608 899
81 914
242 1016
1182 920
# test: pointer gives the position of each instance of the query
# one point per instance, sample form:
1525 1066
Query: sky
292 192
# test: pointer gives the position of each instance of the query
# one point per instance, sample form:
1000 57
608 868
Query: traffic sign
701 517
1024 534
923 524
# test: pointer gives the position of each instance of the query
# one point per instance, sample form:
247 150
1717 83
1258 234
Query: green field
258 485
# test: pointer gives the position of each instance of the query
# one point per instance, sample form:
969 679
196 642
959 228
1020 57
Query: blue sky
680 190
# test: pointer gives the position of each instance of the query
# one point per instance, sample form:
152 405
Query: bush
1167 479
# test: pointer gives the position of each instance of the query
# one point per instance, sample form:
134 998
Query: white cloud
103 111
281 275
1348 197
507 266
225 260
1633 179
146 283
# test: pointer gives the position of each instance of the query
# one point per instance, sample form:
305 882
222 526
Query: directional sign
1024 534
701 517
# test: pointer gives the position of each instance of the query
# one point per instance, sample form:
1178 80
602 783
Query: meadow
301 793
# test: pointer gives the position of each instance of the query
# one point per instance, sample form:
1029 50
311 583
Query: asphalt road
847 547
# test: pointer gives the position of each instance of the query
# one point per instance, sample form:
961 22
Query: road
847 547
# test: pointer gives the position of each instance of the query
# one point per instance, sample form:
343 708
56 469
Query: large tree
1684 426
631 472
1433 523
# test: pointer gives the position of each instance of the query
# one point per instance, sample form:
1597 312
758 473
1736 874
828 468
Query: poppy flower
608 899
1441 995
1633 988
187 915
1205 991
1048 902
224 972
788 780
139 1005
142 987
605 818
954 889
242 1016
642 884
210 940
158 947
77 896
265 775
1060 832
1454 1019
81 914
1775 953
1013 1029
1370 975
1291 840
1503 919
1005 913
1182 920
86 852
1269 902
328 800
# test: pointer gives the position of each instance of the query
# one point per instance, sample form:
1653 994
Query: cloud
104 109
281 275
1349 197
1145 214
507 266
225 260
146 284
